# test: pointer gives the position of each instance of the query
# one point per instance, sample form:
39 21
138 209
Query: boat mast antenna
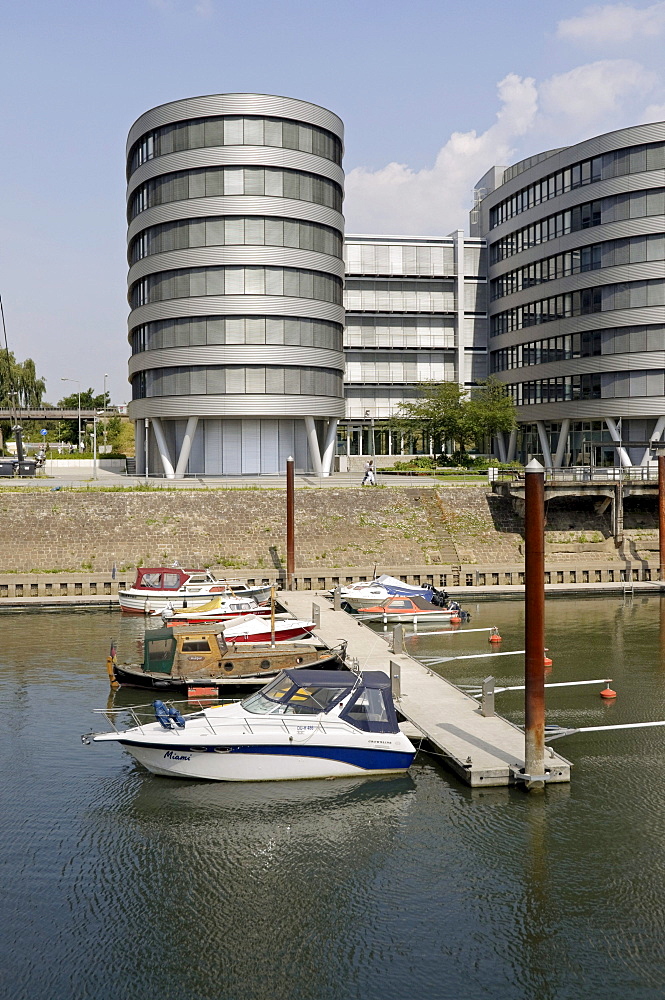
12 392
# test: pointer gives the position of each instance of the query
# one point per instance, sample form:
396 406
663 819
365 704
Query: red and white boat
157 586
254 629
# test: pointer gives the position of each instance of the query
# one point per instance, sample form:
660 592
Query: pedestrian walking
369 479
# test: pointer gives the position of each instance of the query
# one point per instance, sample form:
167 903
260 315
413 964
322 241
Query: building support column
512 445
314 453
544 444
163 448
656 438
501 446
139 447
187 441
561 443
329 447
624 457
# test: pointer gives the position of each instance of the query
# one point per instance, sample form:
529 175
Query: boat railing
143 715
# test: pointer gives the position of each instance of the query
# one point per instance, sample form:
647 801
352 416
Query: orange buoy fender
495 637
455 621
608 693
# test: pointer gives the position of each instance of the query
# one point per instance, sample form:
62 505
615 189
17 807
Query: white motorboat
411 609
157 586
304 724
368 594
221 608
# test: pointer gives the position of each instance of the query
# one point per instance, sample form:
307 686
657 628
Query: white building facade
416 311
235 239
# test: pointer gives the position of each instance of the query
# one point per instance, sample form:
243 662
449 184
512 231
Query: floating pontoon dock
482 751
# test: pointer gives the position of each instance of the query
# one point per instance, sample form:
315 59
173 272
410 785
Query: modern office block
416 311
235 237
576 247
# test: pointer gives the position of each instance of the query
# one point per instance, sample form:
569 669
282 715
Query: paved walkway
77 478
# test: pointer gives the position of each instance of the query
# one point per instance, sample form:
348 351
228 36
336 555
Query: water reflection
121 884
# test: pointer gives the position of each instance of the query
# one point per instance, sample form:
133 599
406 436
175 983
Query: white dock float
482 751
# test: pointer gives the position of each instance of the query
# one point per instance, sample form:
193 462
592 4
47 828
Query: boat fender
175 715
162 714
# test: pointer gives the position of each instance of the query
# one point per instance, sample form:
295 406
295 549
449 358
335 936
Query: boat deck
482 751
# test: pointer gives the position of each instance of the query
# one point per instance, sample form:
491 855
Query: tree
440 413
88 402
447 412
490 409
19 385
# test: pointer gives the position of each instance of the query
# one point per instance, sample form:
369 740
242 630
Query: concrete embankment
66 543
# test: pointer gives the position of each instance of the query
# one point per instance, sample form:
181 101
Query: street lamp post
105 409
79 395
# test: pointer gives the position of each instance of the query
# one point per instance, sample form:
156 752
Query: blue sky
432 93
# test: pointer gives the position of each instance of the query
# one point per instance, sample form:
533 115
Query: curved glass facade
229 384
576 243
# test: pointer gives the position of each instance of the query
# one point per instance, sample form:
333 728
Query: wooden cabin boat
178 659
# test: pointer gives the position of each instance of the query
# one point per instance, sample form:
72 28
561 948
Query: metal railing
586 474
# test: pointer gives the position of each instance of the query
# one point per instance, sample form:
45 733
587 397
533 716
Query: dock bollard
487 698
316 615
337 599
398 639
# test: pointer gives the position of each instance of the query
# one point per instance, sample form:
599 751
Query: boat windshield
283 697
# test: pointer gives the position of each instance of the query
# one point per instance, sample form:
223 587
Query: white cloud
613 24
564 109
434 201
591 97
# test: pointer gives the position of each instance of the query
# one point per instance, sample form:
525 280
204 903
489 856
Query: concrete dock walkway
482 751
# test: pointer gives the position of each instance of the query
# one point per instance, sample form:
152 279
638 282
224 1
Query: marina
481 751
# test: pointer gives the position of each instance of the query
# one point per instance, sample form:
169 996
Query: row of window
611 253
201 380
236 230
382 368
185 282
617 163
201 330
399 331
234 130
625 295
605 385
371 258
614 208
589 343
389 300
215 182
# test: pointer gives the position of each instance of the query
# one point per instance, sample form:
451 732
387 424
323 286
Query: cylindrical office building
576 247
234 206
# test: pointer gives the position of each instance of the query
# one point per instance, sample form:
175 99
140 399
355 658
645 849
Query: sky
432 94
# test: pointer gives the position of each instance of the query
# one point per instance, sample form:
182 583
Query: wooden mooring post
534 627
290 522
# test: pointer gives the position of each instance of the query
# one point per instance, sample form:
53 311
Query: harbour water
119 884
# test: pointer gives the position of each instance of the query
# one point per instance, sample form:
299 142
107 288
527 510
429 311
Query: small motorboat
363 595
410 609
221 608
182 658
304 724
254 629
155 587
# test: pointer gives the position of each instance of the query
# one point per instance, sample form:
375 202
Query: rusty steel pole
534 626
661 514
290 522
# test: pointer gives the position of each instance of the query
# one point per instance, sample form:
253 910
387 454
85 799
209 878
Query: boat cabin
165 646
407 605
169 578
366 701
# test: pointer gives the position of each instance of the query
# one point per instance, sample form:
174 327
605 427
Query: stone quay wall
453 535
